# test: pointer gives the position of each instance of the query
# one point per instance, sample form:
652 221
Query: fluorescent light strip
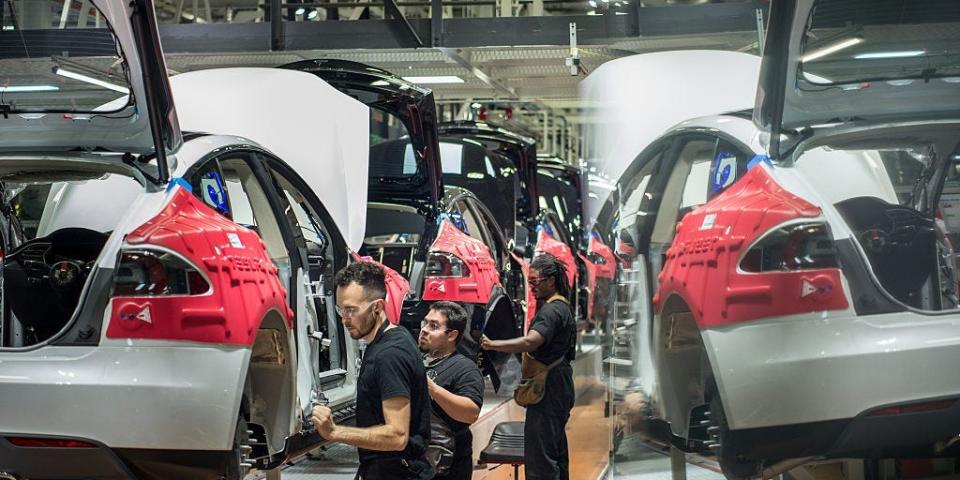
903 54
29 88
434 80
830 49
91 80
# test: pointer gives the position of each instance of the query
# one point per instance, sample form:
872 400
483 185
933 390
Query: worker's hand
486 343
431 387
322 418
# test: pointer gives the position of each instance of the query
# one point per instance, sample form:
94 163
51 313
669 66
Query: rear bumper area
102 463
808 369
906 435
62 463
125 397
806 385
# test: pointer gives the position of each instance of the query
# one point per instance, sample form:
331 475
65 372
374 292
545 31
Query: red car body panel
244 281
606 271
483 276
531 300
702 262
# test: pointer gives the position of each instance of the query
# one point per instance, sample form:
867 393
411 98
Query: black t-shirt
555 322
392 367
462 377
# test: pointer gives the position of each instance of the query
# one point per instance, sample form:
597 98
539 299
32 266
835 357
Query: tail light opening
445 265
146 272
799 246
31 442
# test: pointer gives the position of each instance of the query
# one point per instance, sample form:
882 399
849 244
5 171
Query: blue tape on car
757 159
179 181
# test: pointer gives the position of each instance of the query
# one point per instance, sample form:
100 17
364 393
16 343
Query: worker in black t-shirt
552 336
454 382
393 406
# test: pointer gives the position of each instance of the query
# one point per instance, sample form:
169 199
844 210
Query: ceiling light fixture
903 54
592 3
300 11
830 49
434 80
91 80
29 88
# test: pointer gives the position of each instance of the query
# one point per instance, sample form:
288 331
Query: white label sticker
234 240
807 289
708 221
144 315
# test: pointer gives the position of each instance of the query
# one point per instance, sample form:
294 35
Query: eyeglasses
350 312
535 281
432 326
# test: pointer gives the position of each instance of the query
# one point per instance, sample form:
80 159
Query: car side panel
702 262
478 285
245 286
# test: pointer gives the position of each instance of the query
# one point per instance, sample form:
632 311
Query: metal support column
506 8
678 464
273 474
436 23
276 26
760 30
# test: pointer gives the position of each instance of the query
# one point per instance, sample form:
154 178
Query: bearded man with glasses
393 407
455 385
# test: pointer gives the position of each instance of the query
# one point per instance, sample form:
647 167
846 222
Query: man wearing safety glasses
393 406
456 388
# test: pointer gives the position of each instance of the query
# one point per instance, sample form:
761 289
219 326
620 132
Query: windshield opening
59 56
897 41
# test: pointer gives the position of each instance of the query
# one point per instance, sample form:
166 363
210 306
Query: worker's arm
460 408
527 343
392 436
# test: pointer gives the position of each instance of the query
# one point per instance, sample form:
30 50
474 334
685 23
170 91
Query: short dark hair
368 275
455 314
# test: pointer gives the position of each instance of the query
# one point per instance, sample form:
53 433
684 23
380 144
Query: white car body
760 364
169 407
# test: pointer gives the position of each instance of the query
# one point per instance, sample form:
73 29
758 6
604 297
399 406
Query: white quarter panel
184 398
822 366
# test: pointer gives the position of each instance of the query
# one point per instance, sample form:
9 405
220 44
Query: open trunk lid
419 175
869 61
520 149
75 77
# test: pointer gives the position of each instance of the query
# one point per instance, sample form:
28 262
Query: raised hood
323 136
413 105
85 79
865 61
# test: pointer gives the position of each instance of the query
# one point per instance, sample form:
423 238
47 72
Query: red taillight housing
146 272
912 408
794 247
446 265
30 442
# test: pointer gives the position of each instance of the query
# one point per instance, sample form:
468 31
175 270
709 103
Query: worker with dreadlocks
551 343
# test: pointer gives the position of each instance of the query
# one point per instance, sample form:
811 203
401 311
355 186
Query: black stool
506 446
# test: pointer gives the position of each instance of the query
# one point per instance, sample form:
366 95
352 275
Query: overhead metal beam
404 29
459 59
465 32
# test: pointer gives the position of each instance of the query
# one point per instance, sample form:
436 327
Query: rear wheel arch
683 368
270 380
